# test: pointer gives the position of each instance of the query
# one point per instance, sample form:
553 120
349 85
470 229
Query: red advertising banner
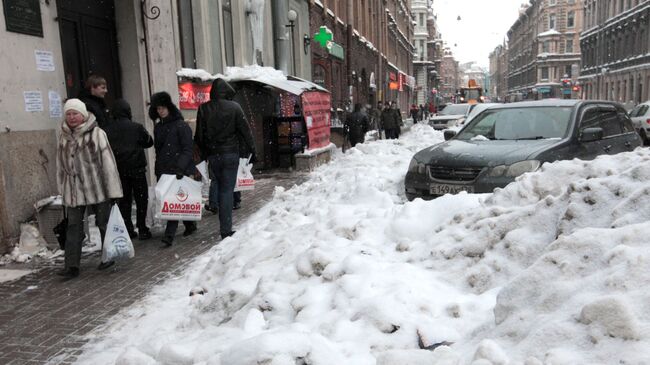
401 81
316 107
192 95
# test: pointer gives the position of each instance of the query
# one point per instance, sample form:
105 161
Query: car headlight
417 167
516 169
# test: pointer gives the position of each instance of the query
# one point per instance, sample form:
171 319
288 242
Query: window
571 19
422 23
608 120
569 46
544 73
551 2
186 32
567 70
551 21
227 33
546 46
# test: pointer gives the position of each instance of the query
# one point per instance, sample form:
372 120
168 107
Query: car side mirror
449 134
591 134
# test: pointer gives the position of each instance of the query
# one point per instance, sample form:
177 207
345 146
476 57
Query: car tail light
648 121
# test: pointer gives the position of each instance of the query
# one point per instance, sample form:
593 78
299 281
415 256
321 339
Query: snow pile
251 72
341 270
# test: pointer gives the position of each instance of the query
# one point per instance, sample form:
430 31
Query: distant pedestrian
398 118
128 141
173 144
375 119
87 178
389 122
415 111
220 126
423 112
94 96
357 125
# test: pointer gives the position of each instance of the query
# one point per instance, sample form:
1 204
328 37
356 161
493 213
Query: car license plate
442 189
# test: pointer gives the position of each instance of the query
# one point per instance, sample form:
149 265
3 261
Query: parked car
640 116
478 109
453 115
508 140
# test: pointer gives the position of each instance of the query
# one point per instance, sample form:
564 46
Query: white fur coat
86 169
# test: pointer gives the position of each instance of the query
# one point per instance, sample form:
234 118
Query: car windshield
518 124
455 109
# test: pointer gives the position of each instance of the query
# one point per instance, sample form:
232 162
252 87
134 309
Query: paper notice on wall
310 121
44 60
56 109
33 101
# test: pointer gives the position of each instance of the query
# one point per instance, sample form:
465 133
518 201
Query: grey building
615 46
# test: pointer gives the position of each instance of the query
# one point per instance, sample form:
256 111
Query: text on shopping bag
179 199
245 179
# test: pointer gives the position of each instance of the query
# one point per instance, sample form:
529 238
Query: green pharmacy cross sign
323 37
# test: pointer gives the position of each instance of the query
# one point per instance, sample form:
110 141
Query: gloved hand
179 176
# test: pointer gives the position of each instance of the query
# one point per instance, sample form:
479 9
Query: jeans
224 170
75 232
134 186
214 195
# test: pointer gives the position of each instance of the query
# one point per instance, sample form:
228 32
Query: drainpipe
348 51
280 41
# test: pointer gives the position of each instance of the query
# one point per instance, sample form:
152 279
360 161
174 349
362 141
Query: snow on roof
548 33
265 75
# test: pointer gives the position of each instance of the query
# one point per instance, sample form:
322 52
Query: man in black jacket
220 125
357 125
128 141
93 96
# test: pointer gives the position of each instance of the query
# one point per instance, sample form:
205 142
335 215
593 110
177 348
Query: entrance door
89 45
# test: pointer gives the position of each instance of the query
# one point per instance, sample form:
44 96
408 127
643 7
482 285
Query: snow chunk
613 316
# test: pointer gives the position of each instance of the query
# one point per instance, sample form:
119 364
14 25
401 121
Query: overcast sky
483 26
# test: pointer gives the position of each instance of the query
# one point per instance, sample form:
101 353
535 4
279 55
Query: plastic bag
245 179
117 243
152 208
178 200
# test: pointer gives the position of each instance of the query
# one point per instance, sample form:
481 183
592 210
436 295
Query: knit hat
76 104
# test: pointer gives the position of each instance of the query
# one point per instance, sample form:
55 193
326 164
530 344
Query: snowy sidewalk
45 320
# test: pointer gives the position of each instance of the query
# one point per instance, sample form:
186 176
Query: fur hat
161 99
76 104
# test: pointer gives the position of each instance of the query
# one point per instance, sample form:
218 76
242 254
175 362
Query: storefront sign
192 95
335 50
400 83
23 16
324 36
316 109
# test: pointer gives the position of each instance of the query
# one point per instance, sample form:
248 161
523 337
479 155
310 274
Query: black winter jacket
97 106
128 140
221 126
172 139
357 124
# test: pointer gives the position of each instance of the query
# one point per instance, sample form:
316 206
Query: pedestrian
94 96
173 144
375 119
87 178
220 126
357 125
397 114
423 112
414 113
128 141
389 122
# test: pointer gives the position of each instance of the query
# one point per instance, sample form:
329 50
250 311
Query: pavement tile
48 324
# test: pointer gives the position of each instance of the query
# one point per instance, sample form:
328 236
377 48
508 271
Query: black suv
508 140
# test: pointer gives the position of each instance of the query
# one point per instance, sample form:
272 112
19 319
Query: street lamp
292 16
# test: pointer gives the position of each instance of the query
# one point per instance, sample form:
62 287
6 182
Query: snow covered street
342 269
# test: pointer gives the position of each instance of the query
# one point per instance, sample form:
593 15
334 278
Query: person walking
220 128
87 178
388 121
128 141
375 119
173 144
414 113
357 125
93 95
397 115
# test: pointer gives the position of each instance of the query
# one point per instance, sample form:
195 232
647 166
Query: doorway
89 44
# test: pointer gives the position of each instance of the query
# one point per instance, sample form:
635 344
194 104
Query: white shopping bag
117 243
178 200
245 179
152 208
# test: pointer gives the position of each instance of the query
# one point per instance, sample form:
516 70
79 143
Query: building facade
449 77
615 51
543 49
362 51
138 46
423 33
499 73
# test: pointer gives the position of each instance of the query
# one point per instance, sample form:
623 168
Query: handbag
61 230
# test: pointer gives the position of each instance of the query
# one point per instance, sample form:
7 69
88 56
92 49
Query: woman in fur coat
87 177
